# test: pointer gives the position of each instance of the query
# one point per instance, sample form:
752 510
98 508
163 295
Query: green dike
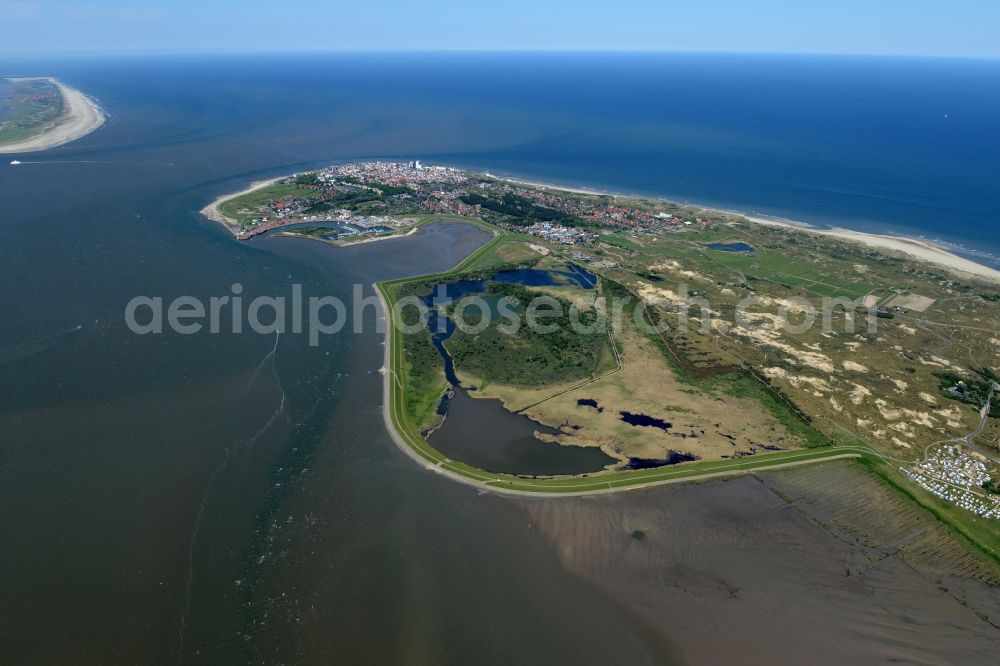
583 484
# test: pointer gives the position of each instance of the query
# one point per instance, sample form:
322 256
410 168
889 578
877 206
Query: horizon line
21 54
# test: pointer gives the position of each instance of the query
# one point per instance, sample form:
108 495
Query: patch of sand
891 413
666 265
797 380
914 302
771 338
656 295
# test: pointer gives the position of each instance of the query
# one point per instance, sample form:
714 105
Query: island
41 113
691 359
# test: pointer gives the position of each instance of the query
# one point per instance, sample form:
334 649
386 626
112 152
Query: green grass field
527 357
764 264
28 107
620 241
244 207
772 261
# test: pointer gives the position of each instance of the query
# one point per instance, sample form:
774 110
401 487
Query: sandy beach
82 116
918 249
915 248
212 212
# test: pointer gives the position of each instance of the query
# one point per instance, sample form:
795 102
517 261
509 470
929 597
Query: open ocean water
898 145
228 498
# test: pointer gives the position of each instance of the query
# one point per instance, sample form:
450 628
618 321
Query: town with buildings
959 478
371 196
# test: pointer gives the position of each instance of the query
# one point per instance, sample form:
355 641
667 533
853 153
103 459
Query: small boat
15 162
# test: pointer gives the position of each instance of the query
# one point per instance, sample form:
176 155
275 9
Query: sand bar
81 116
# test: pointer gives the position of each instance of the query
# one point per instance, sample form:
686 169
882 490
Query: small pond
644 421
730 247
673 458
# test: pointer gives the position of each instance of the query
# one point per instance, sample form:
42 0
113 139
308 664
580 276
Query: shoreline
212 212
915 248
918 249
82 115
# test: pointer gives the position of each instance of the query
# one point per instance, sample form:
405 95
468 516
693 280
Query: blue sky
965 28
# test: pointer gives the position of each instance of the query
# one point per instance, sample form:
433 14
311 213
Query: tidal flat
824 561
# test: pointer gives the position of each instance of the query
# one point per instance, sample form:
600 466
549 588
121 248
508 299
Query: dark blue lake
572 274
730 247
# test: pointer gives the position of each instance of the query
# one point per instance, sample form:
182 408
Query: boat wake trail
227 454
23 162
48 343
260 366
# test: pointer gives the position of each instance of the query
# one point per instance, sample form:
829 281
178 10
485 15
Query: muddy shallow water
818 565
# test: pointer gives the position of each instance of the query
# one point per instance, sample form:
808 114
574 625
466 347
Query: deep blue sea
899 145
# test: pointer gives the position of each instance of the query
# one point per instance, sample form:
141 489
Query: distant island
39 113
915 400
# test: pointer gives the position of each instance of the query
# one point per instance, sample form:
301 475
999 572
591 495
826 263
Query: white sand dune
82 116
